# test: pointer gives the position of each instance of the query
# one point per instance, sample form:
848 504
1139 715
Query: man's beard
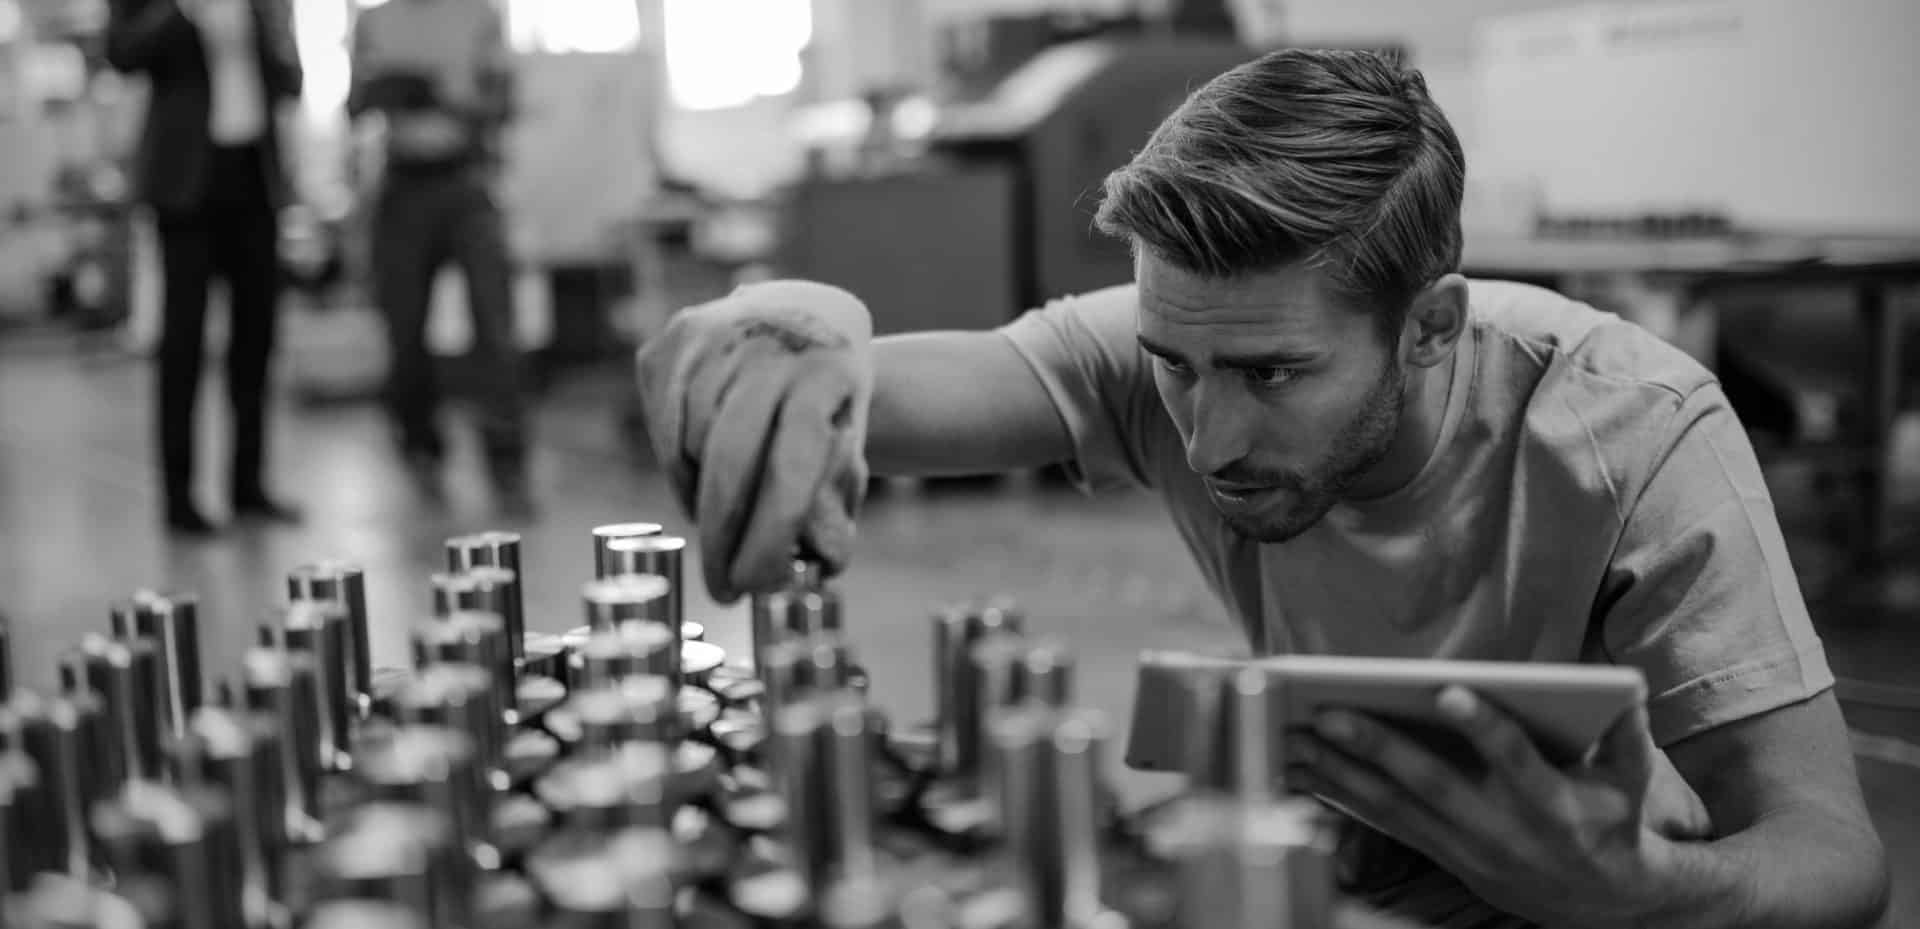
1356 449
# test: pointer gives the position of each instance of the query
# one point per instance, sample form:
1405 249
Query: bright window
558 26
726 53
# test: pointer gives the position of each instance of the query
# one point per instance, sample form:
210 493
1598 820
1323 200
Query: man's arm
143 34
1796 847
959 403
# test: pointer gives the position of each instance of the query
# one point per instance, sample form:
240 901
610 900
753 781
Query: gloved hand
756 405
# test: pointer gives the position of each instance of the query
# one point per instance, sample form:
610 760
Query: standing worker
438 72
1367 454
209 165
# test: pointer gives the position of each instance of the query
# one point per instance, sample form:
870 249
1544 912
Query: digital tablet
1565 707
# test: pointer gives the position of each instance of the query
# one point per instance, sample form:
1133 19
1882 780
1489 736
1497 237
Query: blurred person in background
438 72
209 165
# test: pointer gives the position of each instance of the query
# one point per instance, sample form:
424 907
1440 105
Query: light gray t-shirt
1592 497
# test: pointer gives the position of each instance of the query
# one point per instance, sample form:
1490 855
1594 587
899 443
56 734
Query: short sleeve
1700 594
1084 351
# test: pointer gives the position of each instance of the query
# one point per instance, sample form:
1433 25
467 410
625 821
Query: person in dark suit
209 165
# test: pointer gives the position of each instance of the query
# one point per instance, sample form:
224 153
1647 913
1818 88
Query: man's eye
1175 367
1271 376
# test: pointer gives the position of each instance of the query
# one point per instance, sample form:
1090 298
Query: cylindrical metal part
799 769
1071 876
25 852
625 789
601 720
363 914
620 598
470 638
850 734
126 676
1253 866
1046 673
816 612
1206 758
618 881
185 839
808 574
997 666
496 549
434 767
613 654
1018 784
1249 735
544 655
658 556
956 631
239 752
462 698
345 584
603 560
771 615
398 853
171 622
60 734
802 666
319 628
284 688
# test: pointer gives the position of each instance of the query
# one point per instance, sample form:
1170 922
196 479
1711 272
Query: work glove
756 406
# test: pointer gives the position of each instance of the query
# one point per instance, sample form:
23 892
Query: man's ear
1435 320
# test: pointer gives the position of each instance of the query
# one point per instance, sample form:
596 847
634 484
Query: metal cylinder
956 631
816 612
401 854
544 655
1245 866
126 676
363 914
1045 673
603 560
771 615
495 549
22 822
345 584
171 621
284 689
471 638
60 734
997 673
183 838
319 628
618 881
800 772
611 655
624 789
600 720
656 555
435 767
1071 871
849 735
1254 762
239 752
621 598
462 698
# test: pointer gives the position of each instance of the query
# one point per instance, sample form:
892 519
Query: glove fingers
802 448
732 463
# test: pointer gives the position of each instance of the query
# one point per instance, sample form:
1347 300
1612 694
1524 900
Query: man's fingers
1506 747
732 462
1416 771
801 450
1627 750
1373 797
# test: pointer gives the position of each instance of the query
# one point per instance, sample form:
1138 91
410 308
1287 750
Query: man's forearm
1794 870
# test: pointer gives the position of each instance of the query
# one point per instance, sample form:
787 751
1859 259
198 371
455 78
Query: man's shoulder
1571 345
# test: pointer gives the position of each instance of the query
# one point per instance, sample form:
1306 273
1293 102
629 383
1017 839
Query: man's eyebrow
1275 359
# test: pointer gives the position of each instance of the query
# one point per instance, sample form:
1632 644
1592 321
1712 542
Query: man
209 165
1367 454
437 70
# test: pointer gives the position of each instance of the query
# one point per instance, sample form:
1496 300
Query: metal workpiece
437 768
284 689
768 615
544 655
604 564
1045 673
798 667
1242 866
623 789
171 621
22 820
1252 740
957 630
815 612
460 697
600 720
1047 768
126 675
345 584
798 762
849 734
496 549
319 628
240 753
622 880
359 913
180 842
610 601
60 735
658 555
807 574
613 654
468 637
398 853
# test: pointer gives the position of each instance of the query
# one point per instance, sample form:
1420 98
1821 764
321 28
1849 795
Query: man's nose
1220 431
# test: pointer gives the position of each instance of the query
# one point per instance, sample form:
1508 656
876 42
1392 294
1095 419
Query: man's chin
1276 526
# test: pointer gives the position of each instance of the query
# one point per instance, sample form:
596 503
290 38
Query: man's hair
1336 158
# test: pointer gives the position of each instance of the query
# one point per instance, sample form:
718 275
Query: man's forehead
1293 299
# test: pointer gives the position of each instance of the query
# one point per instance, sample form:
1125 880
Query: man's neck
1422 415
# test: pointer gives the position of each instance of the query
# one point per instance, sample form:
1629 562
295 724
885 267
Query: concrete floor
79 514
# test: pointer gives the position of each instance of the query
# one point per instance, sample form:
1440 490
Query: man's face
1283 396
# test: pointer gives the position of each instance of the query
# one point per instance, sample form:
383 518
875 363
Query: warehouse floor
78 527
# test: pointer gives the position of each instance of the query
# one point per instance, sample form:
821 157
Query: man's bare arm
959 403
1795 846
